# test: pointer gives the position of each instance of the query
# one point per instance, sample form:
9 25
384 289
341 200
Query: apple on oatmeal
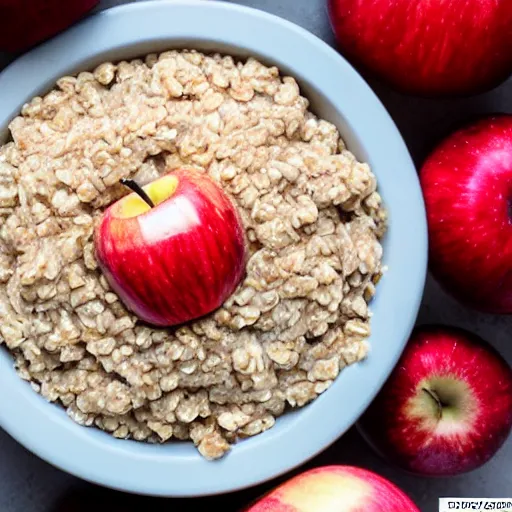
174 250
274 335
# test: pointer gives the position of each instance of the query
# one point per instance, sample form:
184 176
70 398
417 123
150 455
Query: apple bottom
447 407
335 488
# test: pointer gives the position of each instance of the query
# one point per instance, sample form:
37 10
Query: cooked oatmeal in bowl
297 148
312 216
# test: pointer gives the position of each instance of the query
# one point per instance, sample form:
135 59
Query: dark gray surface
28 484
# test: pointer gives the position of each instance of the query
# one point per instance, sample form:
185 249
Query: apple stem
132 185
433 395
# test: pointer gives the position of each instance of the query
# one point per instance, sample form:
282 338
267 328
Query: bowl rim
176 469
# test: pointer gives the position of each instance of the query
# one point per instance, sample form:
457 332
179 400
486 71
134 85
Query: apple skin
428 47
27 22
343 488
466 184
402 423
179 260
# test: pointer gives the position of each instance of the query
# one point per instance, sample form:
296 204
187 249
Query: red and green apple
447 407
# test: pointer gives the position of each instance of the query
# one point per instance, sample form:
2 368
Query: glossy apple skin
428 47
27 22
467 187
424 445
179 261
343 488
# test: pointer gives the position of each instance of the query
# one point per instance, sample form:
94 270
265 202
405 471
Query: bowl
338 94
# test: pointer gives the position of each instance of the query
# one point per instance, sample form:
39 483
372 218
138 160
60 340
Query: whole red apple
447 407
27 22
428 47
467 186
343 488
181 258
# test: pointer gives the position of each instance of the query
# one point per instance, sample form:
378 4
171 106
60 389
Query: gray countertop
28 484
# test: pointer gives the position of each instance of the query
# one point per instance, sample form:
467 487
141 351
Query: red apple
27 22
178 260
447 407
335 488
428 47
467 186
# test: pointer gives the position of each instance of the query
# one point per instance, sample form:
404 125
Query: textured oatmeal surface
312 216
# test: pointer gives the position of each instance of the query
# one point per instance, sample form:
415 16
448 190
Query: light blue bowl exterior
338 94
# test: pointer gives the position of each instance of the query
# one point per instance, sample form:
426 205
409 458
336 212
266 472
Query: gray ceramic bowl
338 94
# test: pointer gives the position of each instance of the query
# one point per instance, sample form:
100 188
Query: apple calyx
442 401
133 185
437 401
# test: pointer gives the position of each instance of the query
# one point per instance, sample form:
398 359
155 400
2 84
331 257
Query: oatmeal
312 216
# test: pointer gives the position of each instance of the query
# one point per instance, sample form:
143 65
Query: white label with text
449 504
